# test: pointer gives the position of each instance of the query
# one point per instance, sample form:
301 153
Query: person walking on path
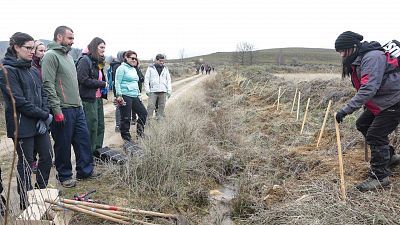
127 90
69 126
92 90
33 114
157 83
378 90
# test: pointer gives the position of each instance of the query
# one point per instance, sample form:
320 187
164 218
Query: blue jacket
126 81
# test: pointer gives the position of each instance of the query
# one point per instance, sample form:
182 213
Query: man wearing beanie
378 89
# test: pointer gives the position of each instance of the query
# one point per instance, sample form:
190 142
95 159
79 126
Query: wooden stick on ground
117 208
341 170
294 101
279 96
298 106
95 214
305 116
112 214
323 124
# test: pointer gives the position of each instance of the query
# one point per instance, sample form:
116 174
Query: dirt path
111 138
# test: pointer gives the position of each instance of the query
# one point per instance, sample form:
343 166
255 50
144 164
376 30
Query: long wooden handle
323 124
341 170
117 208
95 214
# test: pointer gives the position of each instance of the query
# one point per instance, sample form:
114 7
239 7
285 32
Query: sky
201 27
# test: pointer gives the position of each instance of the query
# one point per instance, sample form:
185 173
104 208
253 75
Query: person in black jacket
92 89
114 66
32 111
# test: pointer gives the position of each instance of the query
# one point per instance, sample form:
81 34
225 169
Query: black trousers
25 150
376 130
133 105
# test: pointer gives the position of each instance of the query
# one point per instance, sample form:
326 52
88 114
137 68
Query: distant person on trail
127 90
157 83
378 90
114 66
202 68
92 89
69 126
32 111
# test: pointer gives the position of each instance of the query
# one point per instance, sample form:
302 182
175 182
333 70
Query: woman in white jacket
157 83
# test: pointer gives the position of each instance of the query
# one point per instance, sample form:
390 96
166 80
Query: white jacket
157 83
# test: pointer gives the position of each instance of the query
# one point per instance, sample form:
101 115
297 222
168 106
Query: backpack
393 48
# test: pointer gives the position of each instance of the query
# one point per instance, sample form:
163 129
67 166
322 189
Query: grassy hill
289 56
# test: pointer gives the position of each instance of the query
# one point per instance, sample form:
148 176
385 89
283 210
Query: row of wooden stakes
107 212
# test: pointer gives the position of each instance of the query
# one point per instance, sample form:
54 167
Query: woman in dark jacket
32 113
92 89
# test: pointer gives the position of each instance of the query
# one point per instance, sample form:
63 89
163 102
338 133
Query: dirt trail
111 138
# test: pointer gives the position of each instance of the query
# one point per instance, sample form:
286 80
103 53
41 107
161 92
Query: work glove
59 120
48 120
148 93
340 116
168 94
41 126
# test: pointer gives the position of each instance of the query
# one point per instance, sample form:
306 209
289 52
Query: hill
286 56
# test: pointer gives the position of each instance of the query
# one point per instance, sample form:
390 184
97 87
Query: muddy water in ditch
220 211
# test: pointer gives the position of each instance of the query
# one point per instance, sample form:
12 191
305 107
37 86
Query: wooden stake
279 96
323 124
305 116
95 214
341 170
294 101
298 106
117 208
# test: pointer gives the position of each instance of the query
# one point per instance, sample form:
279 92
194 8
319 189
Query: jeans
74 132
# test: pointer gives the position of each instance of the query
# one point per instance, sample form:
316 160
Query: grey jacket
377 87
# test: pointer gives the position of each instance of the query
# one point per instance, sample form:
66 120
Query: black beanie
348 39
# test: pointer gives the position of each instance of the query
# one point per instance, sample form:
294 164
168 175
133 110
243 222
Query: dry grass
272 152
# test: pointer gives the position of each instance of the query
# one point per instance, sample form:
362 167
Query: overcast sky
201 27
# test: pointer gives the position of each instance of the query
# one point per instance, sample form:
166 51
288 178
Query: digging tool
323 124
341 170
366 151
117 208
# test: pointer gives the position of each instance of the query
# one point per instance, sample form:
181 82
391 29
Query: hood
55 46
11 60
369 46
120 56
113 63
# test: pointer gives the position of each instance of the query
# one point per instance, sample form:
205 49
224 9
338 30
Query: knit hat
348 39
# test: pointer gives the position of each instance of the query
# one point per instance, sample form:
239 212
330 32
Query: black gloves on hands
41 127
48 120
340 116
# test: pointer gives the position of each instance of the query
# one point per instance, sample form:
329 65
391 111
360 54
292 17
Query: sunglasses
133 58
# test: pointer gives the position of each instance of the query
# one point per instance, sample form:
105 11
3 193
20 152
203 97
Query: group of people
54 94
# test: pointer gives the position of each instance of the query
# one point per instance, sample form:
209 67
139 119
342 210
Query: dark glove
104 90
59 120
340 116
48 120
41 126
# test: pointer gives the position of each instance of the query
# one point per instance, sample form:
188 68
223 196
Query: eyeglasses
29 48
133 58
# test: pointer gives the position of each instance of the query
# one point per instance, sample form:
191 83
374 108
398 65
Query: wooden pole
294 101
305 116
279 96
112 214
298 106
341 170
117 208
323 124
95 214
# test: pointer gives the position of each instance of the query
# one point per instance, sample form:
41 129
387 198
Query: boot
371 184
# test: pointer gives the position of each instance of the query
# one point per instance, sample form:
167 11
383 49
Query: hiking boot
394 161
371 184
70 183
93 175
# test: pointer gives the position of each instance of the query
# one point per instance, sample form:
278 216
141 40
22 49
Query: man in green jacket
69 125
